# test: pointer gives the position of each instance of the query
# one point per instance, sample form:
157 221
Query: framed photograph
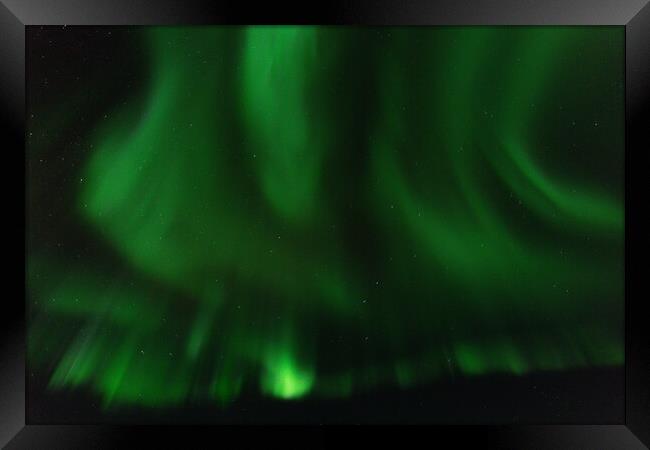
343 213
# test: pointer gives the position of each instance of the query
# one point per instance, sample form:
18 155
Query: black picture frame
634 15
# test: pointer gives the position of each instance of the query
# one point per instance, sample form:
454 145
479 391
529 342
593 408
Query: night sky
323 218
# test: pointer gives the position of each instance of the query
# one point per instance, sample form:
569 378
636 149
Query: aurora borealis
312 212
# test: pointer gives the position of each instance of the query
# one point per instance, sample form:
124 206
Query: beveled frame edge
15 15
637 141
12 318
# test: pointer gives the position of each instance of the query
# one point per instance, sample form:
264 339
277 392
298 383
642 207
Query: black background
56 57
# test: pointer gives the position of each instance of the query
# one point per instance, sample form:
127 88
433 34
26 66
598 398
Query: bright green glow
278 64
284 378
303 211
